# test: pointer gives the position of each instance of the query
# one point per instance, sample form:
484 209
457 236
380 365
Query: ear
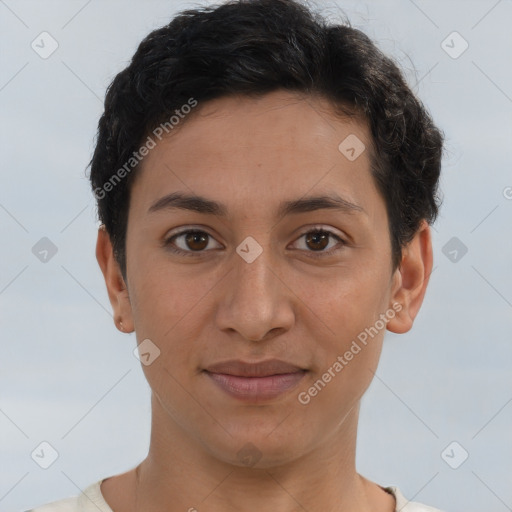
411 280
116 287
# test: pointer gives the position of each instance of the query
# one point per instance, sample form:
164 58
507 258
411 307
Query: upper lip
261 369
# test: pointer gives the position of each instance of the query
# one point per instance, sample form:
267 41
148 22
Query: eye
318 239
192 241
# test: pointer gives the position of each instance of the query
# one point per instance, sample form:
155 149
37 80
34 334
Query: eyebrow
199 204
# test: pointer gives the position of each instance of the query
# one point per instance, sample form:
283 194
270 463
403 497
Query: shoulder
90 500
404 505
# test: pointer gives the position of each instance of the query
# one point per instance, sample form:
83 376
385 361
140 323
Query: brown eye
189 242
196 240
315 242
319 240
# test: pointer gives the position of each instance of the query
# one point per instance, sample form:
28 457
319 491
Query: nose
254 300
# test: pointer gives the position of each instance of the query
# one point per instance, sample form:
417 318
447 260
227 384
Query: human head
253 150
253 47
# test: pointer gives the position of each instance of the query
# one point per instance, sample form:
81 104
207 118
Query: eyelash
315 254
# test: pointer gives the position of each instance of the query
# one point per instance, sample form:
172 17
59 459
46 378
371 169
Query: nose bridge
253 267
254 282
255 300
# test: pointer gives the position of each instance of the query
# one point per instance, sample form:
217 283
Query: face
264 273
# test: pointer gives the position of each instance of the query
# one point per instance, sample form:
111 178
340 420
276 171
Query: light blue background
67 376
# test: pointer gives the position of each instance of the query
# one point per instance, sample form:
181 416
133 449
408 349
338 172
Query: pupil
192 238
315 238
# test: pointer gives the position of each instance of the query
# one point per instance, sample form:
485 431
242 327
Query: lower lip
256 388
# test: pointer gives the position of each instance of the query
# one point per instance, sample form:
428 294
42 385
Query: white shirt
91 500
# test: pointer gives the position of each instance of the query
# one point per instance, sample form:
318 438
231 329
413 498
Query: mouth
255 382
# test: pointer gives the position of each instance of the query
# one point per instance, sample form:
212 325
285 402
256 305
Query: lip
255 382
265 368
256 389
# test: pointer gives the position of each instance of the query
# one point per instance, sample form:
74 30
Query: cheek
347 353
164 295
172 308
346 360
331 394
348 304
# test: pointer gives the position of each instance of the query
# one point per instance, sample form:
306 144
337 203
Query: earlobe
116 287
411 280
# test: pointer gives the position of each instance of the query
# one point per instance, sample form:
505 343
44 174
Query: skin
250 155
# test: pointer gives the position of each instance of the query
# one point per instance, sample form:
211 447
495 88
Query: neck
180 474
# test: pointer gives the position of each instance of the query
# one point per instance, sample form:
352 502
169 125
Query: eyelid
168 244
315 228
329 231
324 229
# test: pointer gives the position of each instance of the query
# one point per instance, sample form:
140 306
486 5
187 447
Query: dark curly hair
253 47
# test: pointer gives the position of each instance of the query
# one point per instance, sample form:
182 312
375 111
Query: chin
259 448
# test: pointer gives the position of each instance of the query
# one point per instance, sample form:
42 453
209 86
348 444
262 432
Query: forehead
282 119
246 150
